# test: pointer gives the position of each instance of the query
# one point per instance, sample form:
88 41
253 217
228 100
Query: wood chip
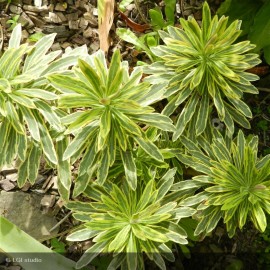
48 200
6 185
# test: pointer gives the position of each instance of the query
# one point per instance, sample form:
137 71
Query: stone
92 20
23 209
88 32
17 2
37 21
83 23
53 18
6 185
66 45
15 9
30 13
73 25
80 4
54 181
95 12
61 16
87 7
48 200
25 36
12 176
34 8
38 3
61 6
80 40
72 16
25 21
56 46
26 186
50 8
94 46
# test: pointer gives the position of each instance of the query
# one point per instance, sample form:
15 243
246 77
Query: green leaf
156 18
153 234
33 163
47 143
22 100
259 217
79 141
39 51
185 117
145 198
238 10
13 117
105 123
113 75
132 257
130 37
23 173
202 114
92 77
5 85
81 235
32 123
37 93
120 239
266 51
15 241
49 114
63 167
130 168
126 123
260 31
68 85
150 148
170 6
11 60
15 38
103 169
156 120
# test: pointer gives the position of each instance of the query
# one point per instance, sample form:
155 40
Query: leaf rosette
205 69
27 112
128 223
235 182
109 107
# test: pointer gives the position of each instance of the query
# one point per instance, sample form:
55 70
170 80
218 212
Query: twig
46 238
181 4
140 11
60 222
6 172
1 38
264 89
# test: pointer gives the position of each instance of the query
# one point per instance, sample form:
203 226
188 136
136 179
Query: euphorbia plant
234 185
204 68
115 110
127 223
27 113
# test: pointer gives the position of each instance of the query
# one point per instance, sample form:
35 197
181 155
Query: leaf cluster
255 21
129 159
